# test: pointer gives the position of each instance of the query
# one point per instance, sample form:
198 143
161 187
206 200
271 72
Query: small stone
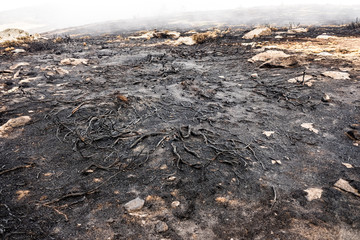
163 167
310 127
254 75
13 123
268 55
134 205
276 162
325 98
18 50
345 186
20 64
337 75
324 36
347 165
324 54
297 30
175 204
313 193
278 37
300 79
222 77
268 133
258 32
74 61
161 227
172 178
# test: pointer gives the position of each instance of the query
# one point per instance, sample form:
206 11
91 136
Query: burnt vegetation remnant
355 24
217 136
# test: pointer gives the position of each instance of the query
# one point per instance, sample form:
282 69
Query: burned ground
215 151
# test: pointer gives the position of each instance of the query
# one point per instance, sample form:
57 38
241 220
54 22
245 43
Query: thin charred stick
179 159
93 167
188 132
145 136
275 197
146 159
253 152
303 78
16 168
158 144
79 194
76 109
192 152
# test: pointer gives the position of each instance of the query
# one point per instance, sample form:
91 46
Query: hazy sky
78 12
139 6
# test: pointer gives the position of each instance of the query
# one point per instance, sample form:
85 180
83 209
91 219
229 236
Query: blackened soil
181 127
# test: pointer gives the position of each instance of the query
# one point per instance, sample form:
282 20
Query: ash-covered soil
217 146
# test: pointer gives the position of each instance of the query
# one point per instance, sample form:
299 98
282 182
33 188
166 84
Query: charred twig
16 168
275 197
188 132
145 136
146 159
191 151
76 109
79 194
253 152
179 159
303 78
158 144
93 167
58 212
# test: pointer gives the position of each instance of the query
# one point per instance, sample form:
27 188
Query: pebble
254 75
325 98
172 178
161 227
19 50
134 205
175 204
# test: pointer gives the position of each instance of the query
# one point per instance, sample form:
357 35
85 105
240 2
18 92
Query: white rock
254 75
12 34
347 165
345 185
313 193
74 61
16 65
258 32
278 37
161 227
252 44
268 55
18 50
325 54
8 127
337 75
268 133
276 162
300 79
146 35
298 30
61 71
172 178
324 36
175 204
325 98
183 40
310 127
134 205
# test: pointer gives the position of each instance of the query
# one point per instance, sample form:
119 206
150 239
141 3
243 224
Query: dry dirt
218 147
